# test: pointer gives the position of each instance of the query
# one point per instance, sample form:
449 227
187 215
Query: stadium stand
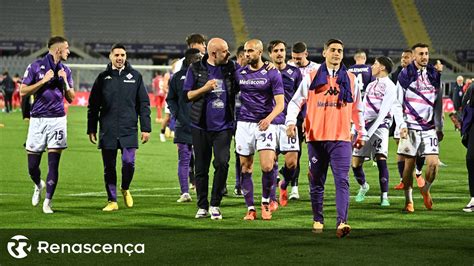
360 24
449 24
164 21
24 20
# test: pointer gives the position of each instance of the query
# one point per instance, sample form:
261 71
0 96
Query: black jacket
201 76
116 101
8 84
179 108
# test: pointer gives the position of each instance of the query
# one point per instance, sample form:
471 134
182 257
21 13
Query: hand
291 131
48 76
264 124
93 138
145 137
440 135
404 133
270 65
211 85
62 74
359 143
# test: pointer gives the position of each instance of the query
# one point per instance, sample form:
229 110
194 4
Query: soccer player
405 60
262 99
333 103
50 81
291 78
423 108
362 71
210 86
118 97
379 100
241 62
179 108
160 95
299 58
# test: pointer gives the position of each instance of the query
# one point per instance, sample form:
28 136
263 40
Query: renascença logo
19 247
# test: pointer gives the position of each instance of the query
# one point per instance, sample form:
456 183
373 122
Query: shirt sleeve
277 83
29 76
358 113
189 81
297 101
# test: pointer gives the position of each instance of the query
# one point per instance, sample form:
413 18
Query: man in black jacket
179 107
210 86
117 98
8 87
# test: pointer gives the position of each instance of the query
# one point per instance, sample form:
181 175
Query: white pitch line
132 190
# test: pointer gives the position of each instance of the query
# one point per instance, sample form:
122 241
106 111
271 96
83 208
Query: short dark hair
274 43
5 73
195 38
420 45
240 50
407 51
118 46
299 47
386 62
331 41
190 56
56 39
359 51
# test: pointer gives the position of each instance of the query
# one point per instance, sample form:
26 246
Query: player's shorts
377 145
167 109
419 143
249 138
46 132
285 143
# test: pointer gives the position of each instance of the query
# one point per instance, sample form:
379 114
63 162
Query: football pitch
385 235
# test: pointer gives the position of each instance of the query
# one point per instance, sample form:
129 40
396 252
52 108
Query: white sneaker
469 208
162 137
215 213
201 213
47 204
294 195
35 200
362 191
185 197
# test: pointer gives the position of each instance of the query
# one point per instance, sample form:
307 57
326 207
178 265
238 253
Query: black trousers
205 144
470 160
8 101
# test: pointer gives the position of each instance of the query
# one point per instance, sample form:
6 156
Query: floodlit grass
80 196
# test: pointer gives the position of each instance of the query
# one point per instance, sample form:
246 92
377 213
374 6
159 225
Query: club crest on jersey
243 72
129 76
289 71
108 77
42 67
264 71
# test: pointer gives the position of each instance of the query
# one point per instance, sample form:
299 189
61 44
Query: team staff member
117 98
209 85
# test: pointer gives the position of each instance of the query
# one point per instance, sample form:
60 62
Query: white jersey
312 66
421 101
379 101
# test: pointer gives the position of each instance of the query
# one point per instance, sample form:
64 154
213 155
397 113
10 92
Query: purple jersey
217 115
363 75
49 98
291 77
257 91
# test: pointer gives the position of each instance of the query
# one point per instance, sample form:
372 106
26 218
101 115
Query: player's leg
358 158
266 145
245 147
35 145
470 169
128 169
318 167
109 159
340 153
184 158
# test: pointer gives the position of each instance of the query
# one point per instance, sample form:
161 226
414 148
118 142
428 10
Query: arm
67 79
31 89
358 117
193 95
143 107
279 106
295 105
172 98
93 109
438 115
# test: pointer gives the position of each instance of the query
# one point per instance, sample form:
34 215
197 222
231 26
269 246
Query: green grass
80 195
